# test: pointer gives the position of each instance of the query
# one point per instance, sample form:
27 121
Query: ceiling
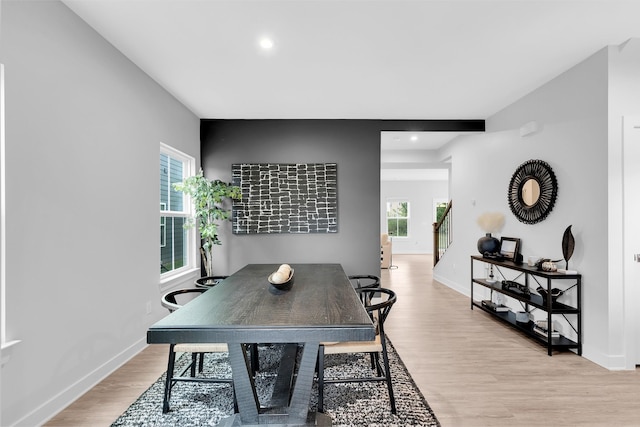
357 59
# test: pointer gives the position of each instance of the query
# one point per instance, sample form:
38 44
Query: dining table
320 306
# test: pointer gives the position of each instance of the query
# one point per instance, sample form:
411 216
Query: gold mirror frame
532 211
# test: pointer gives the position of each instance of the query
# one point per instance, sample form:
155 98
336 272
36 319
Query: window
163 225
398 218
175 240
439 206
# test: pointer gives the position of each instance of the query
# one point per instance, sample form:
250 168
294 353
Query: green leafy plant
211 199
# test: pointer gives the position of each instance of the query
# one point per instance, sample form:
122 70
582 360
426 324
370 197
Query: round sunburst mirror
532 191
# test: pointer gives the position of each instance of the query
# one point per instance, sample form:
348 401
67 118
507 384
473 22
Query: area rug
355 404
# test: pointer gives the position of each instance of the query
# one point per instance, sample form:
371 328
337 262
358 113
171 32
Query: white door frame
631 238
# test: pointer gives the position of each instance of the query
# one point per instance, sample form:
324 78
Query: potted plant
211 199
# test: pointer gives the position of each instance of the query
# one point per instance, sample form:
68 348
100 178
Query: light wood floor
472 370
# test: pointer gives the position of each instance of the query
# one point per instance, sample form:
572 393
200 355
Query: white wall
624 93
83 127
573 112
420 195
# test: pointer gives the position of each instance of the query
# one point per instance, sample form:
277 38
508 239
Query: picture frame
285 198
509 248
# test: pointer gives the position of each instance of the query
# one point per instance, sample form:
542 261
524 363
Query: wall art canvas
286 198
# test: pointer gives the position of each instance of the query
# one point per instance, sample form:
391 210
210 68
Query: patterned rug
355 404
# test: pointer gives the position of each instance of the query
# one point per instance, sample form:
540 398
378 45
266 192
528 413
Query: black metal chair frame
197 358
209 281
378 312
173 379
169 299
357 279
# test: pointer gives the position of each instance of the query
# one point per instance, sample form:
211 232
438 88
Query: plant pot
209 281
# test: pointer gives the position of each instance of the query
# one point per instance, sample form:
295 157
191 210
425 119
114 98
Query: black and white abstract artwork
286 198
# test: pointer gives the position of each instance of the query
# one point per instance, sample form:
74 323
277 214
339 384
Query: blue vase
488 244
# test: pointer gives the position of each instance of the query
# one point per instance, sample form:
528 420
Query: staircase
442 235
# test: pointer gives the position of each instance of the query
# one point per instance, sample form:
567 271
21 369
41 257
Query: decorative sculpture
568 244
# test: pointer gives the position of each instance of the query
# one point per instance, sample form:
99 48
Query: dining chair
173 301
364 281
378 303
209 281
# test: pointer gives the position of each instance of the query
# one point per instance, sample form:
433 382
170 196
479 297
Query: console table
522 277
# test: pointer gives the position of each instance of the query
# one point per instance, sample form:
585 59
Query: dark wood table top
245 307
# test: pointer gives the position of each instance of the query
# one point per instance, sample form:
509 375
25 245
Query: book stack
493 306
540 327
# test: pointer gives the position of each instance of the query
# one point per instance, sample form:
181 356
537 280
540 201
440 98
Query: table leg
244 385
281 395
299 406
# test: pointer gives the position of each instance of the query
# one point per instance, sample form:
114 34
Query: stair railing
442 234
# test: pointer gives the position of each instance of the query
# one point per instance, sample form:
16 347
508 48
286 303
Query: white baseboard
413 252
464 290
609 361
49 409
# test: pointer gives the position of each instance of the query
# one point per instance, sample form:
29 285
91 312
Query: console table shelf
533 301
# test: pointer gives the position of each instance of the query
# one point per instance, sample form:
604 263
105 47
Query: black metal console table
522 277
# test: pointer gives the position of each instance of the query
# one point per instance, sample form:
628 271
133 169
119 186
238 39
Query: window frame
436 203
407 218
189 164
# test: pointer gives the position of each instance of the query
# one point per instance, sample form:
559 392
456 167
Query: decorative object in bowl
282 279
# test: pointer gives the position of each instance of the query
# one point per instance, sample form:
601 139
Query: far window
439 206
398 218
175 240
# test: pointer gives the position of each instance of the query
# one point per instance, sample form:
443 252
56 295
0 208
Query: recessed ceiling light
266 43
414 137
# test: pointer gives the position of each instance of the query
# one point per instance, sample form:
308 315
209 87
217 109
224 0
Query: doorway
631 234
412 172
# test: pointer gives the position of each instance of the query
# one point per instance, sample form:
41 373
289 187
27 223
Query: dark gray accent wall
353 144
